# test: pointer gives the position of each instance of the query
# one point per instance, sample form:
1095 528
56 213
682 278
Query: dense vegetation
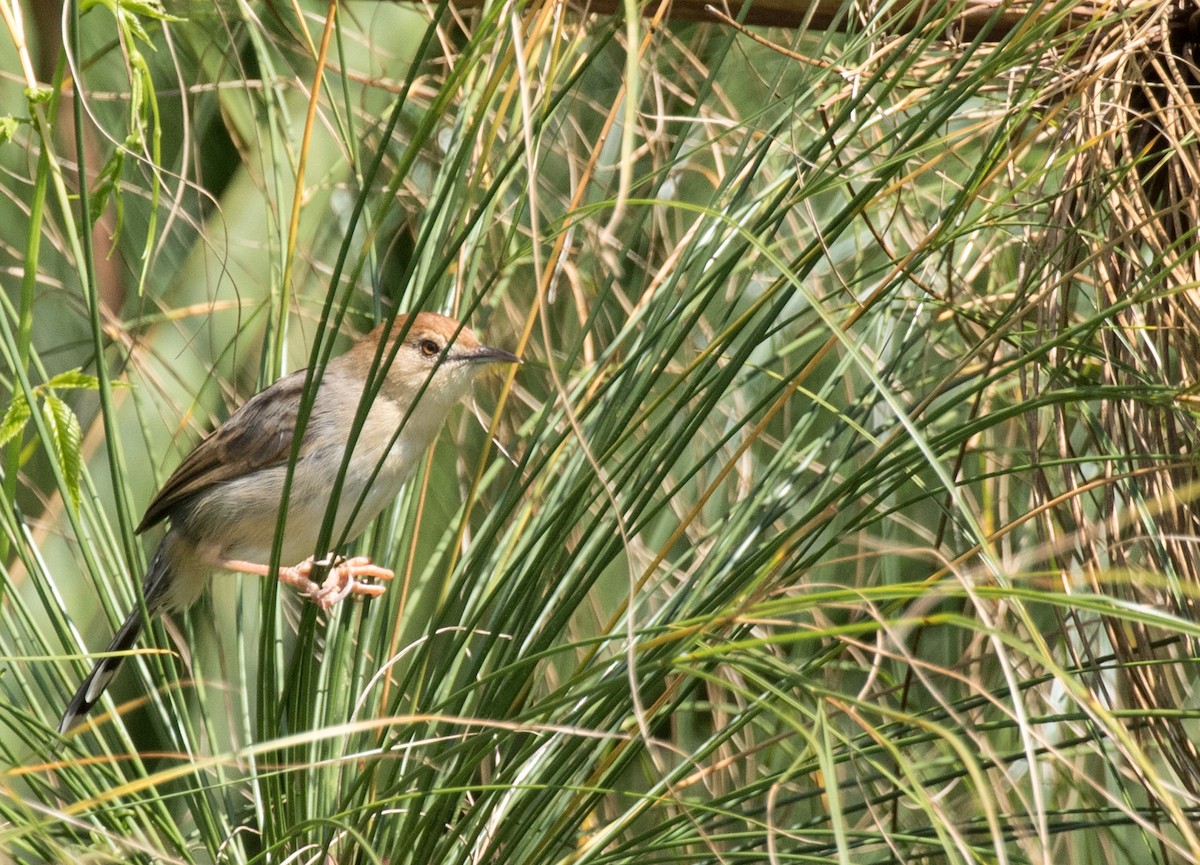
844 509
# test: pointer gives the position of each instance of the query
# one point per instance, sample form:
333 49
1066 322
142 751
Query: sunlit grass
841 512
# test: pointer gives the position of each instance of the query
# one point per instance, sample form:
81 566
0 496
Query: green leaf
8 127
65 438
134 25
73 379
15 417
149 9
108 184
38 95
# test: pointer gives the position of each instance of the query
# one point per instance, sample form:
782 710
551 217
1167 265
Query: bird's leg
342 580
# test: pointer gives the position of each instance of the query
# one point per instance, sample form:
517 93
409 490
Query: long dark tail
156 589
93 686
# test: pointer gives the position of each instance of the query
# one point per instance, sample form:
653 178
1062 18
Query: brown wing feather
256 436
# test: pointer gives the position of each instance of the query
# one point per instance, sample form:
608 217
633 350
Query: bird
223 500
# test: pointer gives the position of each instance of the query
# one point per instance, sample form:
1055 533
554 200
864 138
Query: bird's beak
487 354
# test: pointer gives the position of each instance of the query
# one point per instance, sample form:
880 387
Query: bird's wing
258 435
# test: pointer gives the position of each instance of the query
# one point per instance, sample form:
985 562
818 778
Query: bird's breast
244 512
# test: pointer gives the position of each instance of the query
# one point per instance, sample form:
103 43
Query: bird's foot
344 578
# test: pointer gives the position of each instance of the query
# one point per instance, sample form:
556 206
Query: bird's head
437 358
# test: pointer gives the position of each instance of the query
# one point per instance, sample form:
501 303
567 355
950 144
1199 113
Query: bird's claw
345 578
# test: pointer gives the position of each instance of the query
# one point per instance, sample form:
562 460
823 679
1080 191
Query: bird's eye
429 348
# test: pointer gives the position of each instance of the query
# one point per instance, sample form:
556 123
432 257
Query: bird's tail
155 588
93 686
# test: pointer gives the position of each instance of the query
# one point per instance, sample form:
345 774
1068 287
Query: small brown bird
223 500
